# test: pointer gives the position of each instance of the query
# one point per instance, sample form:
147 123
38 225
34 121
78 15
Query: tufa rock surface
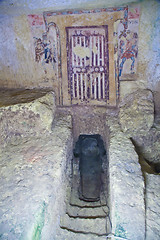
33 177
95 226
152 207
12 96
25 120
148 145
126 186
34 169
136 115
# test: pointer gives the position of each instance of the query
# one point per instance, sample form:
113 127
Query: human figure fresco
39 49
90 149
128 50
44 48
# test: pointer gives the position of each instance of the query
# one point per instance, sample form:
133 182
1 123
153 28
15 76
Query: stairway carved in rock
81 217
86 220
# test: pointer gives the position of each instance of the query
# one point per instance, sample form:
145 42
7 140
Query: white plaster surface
8 49
23 6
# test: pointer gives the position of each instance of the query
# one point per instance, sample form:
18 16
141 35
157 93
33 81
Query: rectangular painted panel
88 63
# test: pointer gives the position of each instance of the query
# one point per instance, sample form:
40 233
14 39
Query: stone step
95 226
75 201
88 212
68 235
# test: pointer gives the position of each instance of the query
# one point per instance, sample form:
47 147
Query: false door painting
87 59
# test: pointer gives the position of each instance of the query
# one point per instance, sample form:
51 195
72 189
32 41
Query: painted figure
44 51
48 51
128 50
90 149
39 49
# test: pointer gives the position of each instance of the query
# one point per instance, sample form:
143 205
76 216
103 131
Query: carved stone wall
38 46
94 53
35 160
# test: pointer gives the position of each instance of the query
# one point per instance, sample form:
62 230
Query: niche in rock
90 150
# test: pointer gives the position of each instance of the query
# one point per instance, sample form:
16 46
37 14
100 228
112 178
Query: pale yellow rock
152 207
27 119
33 179
127 207
148 145
136 115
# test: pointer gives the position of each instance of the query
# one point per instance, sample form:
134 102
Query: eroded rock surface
126 186
136 114
11 96
35 160
26 120
34 169
149 145
152 207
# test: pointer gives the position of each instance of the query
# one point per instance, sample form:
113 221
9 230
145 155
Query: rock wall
152 206
126 189
35 165
133 151
136 114
18 65
27 120
126 185
37 141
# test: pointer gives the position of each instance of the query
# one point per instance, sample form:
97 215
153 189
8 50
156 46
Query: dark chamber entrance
90 149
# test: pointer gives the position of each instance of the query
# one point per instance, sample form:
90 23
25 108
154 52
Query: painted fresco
126 45
46 48
67 53
45 44
82 88
88 63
